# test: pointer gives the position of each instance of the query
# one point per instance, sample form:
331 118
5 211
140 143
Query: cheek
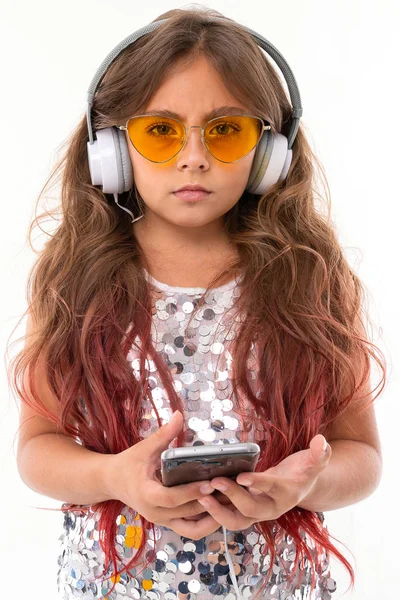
235 179
150 178
240 170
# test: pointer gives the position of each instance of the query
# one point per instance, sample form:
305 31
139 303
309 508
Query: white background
345 61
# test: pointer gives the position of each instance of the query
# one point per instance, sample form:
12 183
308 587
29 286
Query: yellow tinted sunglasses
226 138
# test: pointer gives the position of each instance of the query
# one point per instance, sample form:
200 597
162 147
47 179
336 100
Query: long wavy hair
302 303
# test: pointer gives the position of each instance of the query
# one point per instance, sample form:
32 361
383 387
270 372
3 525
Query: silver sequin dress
187 569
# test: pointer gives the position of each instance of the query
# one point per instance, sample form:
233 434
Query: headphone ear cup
271 163
126 163
109 161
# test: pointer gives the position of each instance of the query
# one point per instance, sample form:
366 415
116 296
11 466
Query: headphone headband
297 109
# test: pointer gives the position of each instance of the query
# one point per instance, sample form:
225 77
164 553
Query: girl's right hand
131 478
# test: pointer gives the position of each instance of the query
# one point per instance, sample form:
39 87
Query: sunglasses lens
227 138
156 138
231 138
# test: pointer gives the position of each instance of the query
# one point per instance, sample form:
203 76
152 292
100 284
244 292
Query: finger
176 495
237 494
222 499
194 530
162 437
231 519
320 448
263 481
196 517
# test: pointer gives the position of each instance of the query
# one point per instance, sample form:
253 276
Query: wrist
107 476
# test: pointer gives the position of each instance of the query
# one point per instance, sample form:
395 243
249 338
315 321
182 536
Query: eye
224 128
160 129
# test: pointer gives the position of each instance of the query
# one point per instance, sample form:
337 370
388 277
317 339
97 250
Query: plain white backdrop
345 61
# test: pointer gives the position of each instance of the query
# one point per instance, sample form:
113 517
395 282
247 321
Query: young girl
192 294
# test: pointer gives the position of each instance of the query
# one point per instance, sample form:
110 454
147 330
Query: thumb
320 447
161 438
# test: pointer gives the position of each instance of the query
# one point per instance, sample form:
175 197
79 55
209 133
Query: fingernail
245 482
325 446
173 416
206 488
204 502
221 486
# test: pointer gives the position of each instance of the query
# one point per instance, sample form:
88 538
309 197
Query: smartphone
195 463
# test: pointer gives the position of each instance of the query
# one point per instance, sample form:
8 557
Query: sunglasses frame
202 128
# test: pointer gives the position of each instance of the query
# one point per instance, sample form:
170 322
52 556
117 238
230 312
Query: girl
231 307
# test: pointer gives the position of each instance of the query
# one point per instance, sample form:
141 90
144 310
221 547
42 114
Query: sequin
199 360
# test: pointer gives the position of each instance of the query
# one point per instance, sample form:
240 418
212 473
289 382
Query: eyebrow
216 112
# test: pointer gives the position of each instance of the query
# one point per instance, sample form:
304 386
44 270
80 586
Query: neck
176 244
185 257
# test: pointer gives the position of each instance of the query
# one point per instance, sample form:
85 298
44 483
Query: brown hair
301 299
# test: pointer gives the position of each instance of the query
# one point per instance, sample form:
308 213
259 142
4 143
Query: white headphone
108 155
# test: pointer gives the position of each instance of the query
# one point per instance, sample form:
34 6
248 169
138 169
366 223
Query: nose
193 154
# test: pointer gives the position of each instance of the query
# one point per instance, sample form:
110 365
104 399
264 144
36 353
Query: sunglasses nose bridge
187 132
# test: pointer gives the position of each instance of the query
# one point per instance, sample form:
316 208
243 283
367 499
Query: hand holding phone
197 463
131 478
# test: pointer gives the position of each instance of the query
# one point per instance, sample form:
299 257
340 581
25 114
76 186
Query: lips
192 195
192 188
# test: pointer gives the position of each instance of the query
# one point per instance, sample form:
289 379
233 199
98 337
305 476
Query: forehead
193 88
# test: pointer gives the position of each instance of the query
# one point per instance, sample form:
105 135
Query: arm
57 466
51 463
353 473
355 467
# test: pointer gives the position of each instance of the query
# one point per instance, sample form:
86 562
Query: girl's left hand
270 493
